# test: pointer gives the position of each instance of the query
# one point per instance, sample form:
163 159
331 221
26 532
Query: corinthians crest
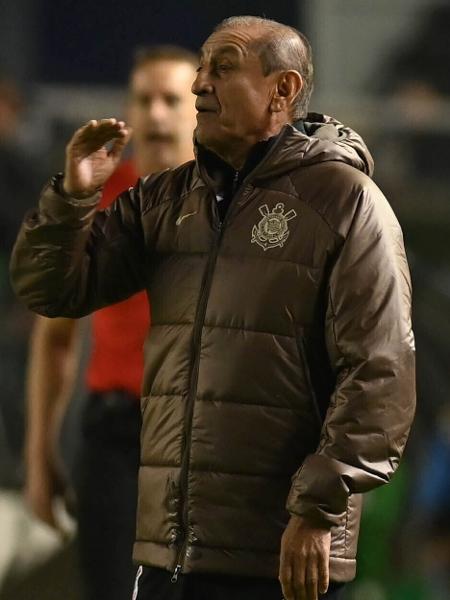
272 230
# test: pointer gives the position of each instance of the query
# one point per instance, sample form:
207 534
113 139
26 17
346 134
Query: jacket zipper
176 572
196 337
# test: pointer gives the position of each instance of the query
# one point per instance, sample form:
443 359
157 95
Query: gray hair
280 48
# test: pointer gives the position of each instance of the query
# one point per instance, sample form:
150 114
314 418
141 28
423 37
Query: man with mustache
160 109
279 378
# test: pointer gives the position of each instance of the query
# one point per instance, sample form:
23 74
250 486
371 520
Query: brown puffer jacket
280 364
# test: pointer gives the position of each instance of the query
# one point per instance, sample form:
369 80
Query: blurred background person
161 112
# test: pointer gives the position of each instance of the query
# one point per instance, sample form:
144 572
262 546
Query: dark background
94 40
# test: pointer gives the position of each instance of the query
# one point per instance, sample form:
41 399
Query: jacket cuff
318 492
54 207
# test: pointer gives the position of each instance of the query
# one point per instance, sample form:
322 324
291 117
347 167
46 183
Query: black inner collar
226 180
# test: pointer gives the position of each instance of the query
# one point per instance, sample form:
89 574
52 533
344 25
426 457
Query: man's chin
205 137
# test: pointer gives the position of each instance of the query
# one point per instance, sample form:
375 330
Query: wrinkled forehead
234 41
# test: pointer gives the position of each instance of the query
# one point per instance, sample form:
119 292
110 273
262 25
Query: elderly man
279 379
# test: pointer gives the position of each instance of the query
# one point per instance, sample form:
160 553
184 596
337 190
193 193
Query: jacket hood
326 139
331 140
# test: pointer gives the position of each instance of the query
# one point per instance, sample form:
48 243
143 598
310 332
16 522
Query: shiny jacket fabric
279 370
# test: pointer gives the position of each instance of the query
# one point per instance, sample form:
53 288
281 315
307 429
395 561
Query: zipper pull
235 182
174 577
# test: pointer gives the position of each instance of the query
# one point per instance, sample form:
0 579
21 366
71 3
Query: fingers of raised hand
95 133
102 124
119 143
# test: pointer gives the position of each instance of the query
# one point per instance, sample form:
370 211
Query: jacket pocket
301 347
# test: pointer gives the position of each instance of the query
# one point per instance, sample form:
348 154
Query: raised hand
304 560
89 162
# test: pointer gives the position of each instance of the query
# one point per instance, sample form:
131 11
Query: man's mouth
158 137
205 109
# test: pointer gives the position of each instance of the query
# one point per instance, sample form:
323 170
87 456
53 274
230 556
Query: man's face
233 95
161 111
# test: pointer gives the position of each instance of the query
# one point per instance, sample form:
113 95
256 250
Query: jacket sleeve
371 349
70 259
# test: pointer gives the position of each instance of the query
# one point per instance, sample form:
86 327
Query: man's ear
288 86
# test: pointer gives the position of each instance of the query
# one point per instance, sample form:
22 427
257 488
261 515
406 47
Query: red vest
119 331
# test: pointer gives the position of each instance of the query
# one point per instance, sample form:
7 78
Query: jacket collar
319 139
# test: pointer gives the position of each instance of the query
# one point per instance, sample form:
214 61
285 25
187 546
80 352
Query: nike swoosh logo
180 219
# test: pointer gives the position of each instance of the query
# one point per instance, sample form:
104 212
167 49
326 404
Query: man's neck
235 157
144 166
237 151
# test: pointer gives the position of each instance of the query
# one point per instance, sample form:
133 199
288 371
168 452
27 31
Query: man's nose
202 83
157 110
